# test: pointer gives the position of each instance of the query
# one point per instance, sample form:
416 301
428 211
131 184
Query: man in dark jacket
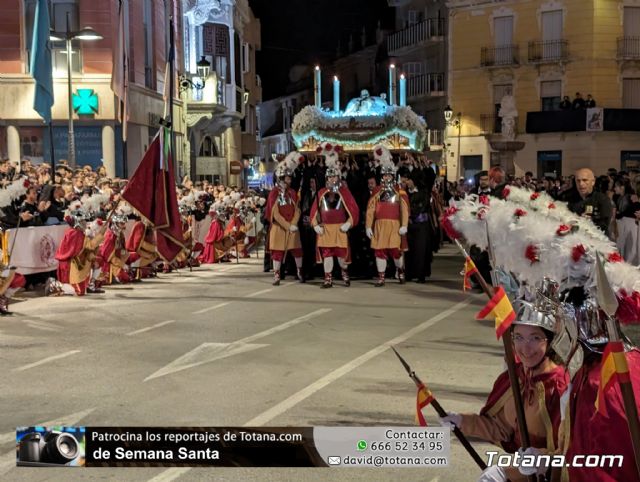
587 202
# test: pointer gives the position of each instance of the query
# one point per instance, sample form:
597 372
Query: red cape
70 246
215 233
349 203
136 237
273 199
592 433
555 384
108 245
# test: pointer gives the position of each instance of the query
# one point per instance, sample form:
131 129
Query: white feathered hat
332 156
384 159
289 164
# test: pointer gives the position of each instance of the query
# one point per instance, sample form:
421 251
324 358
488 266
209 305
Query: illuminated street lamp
455 122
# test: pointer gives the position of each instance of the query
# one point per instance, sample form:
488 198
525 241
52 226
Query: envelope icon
334 460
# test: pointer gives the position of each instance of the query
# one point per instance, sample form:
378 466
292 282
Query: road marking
67 420
8 460
205 353
209 352
250 295
46 360
211 308
267 416
149 328
41 325
170 474
306 392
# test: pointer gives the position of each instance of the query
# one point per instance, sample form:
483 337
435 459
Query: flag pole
508 351
172 53
442 413
52 152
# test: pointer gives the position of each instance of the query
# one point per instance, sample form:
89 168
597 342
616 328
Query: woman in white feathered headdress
283 212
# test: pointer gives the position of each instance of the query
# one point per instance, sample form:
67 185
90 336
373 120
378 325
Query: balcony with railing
426 85
502 56
576 121
429 30
548 51
629 48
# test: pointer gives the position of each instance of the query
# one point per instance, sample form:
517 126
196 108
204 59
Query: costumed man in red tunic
283 213
599 430
213 241
113 254
76 254
141 240
387 218
542 383
333 214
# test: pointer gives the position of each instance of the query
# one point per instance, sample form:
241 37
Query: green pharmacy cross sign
85 102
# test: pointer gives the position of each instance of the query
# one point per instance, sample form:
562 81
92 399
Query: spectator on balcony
590 102
566 103
578 102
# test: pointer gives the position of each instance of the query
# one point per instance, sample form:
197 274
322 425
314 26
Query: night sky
308 32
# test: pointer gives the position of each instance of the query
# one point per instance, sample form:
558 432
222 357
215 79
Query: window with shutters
552 25
632 22
631 93
412 17
550 95
503 36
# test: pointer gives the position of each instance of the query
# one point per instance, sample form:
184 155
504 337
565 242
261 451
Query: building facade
539 52
98 137
221 110
418 48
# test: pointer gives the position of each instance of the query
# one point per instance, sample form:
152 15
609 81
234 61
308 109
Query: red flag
424 398
469 269
499 307
613 367
151 191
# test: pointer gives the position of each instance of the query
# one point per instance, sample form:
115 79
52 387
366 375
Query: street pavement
220 346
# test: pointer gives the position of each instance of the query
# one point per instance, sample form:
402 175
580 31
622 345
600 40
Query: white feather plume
13 191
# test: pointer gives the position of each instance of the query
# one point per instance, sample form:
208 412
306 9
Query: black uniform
596 205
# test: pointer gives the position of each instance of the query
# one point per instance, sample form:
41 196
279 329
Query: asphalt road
220 346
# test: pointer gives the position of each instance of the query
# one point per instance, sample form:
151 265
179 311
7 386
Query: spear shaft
442 413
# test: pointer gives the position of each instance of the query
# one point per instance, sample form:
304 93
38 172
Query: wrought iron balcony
431 29
629 48
504 55
549 51
576 120
425 85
